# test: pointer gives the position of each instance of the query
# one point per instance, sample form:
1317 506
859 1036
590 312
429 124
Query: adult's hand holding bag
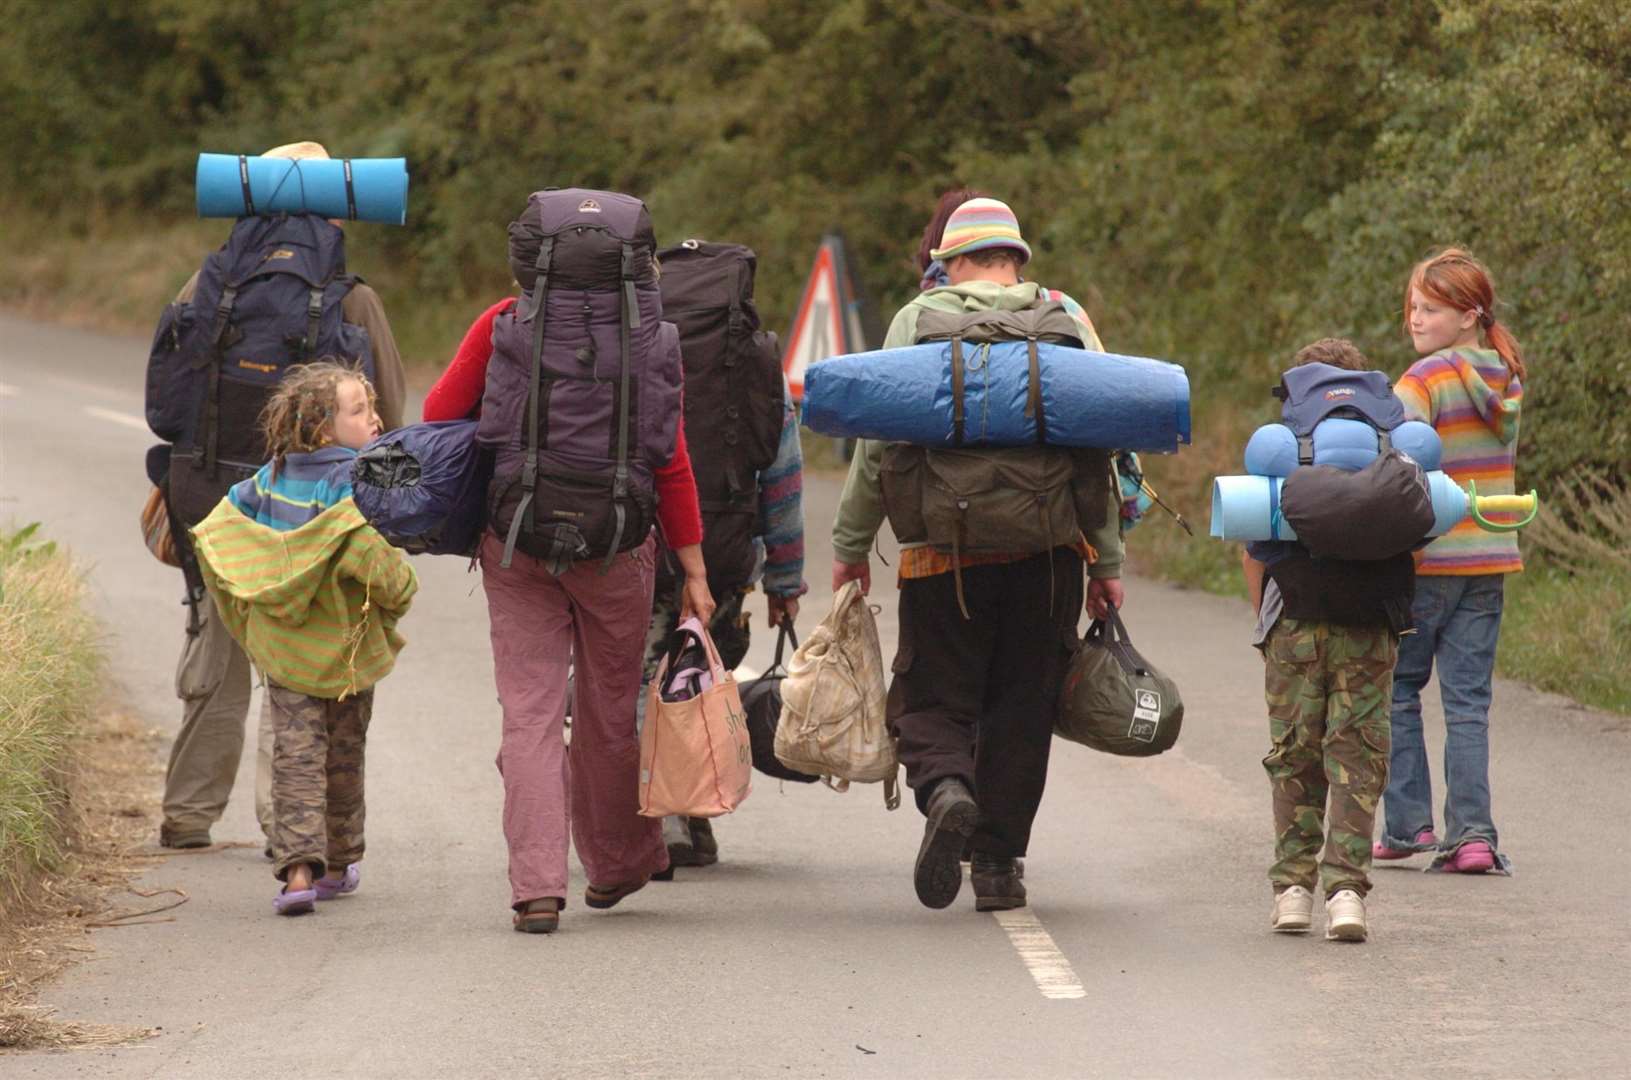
695 757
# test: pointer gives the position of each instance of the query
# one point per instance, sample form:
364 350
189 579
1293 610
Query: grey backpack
1114 700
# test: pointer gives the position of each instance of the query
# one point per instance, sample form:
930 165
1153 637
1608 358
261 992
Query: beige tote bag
695 756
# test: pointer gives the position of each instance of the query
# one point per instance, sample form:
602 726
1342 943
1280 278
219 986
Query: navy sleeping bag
1089 399
424 487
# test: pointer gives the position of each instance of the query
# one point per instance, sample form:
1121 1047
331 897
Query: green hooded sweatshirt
315 607
860 509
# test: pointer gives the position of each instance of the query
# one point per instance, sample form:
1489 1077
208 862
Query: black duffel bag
1373 513
1114 700
762 702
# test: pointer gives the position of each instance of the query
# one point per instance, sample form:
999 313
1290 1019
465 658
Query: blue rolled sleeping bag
1347 444
424 487
1088 398
353 189
1248 507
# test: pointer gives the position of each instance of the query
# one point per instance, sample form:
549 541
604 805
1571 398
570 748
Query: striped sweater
1473 403
781 512
295 493
315 607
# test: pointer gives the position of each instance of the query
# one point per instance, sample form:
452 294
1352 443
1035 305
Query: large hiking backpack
734 403
582 403
980 500
267 300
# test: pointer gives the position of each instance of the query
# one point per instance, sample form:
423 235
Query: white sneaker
1293 910
1346 912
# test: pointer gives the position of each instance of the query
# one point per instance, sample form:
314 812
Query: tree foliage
1218 180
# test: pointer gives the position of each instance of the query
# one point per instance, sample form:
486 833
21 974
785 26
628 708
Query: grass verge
71 778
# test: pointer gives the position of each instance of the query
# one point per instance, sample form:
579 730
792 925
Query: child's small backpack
833 722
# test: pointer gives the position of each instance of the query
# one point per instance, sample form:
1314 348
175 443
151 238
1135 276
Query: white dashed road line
1048 967
114 417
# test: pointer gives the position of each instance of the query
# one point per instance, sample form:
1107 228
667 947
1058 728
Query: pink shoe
1426 840
1473 857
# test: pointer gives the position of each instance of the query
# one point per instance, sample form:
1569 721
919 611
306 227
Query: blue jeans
1458 621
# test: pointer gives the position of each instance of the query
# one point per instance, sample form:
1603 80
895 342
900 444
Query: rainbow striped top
1473 403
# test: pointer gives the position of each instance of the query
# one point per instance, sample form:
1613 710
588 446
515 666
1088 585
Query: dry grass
76 790
1585 524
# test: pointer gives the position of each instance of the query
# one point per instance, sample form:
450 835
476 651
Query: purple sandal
300 902
328 890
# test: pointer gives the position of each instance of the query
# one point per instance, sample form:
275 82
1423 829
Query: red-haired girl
1469 385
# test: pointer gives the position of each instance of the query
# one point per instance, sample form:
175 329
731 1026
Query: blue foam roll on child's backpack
1347 444
424 487
352 189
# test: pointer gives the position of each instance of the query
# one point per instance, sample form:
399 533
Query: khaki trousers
213 681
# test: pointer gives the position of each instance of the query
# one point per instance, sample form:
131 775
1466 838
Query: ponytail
1502 341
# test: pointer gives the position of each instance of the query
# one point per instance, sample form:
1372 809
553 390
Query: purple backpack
582 403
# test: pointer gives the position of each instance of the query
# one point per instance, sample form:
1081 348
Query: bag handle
693 627
786 632
1111 635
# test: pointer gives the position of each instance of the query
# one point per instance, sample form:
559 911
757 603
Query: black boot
997 884
703 845
952 815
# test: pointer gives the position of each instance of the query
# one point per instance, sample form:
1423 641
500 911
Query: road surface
1145 951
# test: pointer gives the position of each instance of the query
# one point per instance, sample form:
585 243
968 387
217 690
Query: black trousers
975 698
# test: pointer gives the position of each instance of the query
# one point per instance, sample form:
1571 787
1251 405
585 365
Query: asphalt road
1145 952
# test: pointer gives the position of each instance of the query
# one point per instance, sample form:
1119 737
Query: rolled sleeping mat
1088 398
352 189
1347 444
1248 507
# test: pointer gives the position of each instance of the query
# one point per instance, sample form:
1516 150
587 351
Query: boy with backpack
1329 631
743 437
988 623
275 294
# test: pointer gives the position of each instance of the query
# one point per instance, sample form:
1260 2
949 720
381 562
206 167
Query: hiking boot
681 842
997 884
951 814
1473 857
183 838
1346 914
1426 840
1293 910
703 843
968 857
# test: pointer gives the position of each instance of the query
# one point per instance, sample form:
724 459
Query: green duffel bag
1114 700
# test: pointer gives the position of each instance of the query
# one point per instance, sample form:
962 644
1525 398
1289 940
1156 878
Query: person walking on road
742 434
1469 385
578 388
984 639
313 594
1329 632
213 674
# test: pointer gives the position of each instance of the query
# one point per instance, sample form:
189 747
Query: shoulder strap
525 511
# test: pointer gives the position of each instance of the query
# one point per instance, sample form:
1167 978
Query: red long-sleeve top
457 395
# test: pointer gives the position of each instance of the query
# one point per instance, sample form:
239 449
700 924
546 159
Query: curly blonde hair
299 418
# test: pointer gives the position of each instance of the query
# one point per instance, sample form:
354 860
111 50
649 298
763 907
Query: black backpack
734 400
268 300
762 702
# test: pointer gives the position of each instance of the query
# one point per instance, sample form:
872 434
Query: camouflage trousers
317 767
1328 689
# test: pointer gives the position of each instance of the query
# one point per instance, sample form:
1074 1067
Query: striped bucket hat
981 223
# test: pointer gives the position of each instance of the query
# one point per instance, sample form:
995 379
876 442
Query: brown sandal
540 916
605 896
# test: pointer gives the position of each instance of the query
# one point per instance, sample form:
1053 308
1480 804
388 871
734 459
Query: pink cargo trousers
541 625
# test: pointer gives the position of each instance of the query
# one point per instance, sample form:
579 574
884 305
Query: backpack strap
957 390
1033 396
525 511
243 179
350 190
314 320
215 356
620 479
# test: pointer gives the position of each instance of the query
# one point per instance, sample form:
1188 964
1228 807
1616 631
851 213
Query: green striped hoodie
315 607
